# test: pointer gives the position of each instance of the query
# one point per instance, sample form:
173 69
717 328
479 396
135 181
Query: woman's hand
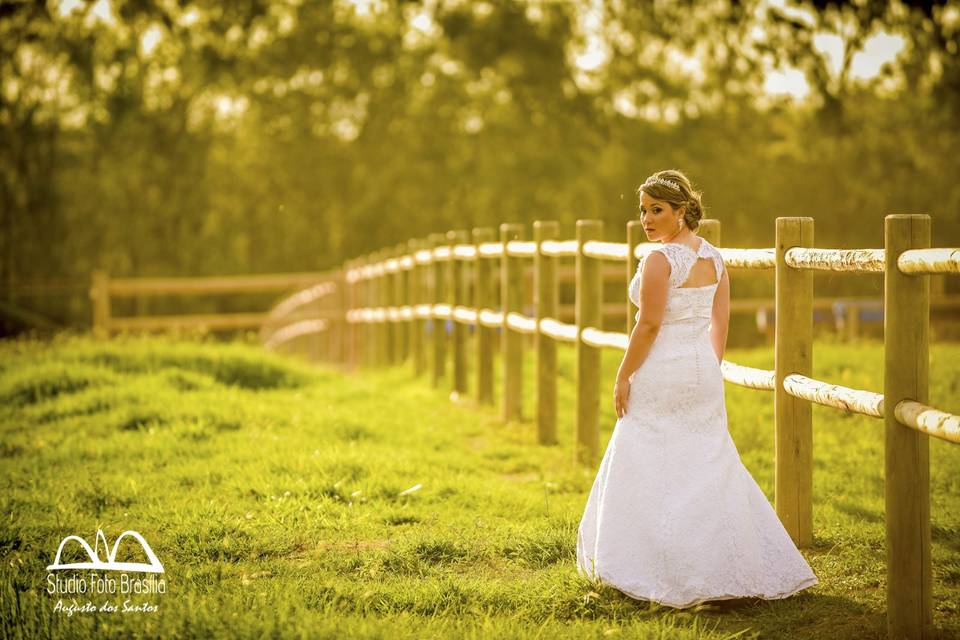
621 393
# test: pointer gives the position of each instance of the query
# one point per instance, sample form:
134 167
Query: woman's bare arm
653 302
720 316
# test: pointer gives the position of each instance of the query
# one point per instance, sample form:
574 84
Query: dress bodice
682 302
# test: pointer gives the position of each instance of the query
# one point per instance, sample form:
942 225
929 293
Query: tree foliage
190 137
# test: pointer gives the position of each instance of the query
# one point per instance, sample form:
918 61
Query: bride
674 516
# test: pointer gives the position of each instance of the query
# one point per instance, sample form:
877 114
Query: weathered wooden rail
104 289
395 299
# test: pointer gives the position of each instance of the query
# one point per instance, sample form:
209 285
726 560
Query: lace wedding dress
673 515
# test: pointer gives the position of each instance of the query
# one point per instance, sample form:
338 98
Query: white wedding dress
673 515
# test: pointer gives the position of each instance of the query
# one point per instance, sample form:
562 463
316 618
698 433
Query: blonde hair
672 186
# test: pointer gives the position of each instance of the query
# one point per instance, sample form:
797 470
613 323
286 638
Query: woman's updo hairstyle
672 186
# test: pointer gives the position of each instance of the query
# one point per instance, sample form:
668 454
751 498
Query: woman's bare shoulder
657 262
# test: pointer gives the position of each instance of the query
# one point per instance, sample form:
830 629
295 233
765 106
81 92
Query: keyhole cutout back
702 274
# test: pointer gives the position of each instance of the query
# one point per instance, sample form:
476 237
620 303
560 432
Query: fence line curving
431 301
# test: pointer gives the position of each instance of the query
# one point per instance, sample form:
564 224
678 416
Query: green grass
271 491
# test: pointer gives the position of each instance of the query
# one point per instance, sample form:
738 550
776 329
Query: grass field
287 500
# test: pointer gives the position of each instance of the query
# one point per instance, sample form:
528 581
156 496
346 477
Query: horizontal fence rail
104 289
411 301
845 310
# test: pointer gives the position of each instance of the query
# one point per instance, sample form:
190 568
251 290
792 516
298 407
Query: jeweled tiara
669 183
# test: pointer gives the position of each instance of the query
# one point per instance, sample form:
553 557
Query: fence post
370 327
387 293
373 286
384 295
457 298
414 291
325 339
100 294
438 325
368 334
392 299
906 336
406 327
319 340
793 349
340 354
852 319
635 236
376 302
545 305
328 338
389 303
359 301
330 318
350 303
589 286
400 300
511 300
483 298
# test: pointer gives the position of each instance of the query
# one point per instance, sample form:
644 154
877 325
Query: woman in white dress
674 516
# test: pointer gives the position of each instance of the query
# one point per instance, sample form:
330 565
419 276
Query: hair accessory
663 181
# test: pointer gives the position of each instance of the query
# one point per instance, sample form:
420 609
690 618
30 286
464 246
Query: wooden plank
100 298
209 321
438 335
930 420
215 284
390 328
589 299
545 304
611 272
369 334
511 299
351 328
414 297
793 348
400 300
906 334
380 297
484 297
457 297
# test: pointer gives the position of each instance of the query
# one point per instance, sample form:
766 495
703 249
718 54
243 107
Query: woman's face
658 217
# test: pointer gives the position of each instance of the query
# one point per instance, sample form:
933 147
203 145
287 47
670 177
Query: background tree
196 137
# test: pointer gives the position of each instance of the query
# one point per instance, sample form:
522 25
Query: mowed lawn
289 500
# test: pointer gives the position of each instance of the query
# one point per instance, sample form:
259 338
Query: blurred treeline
188 137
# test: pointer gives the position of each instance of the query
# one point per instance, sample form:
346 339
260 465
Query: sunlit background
207 138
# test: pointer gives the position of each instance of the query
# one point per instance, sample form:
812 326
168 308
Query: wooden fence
104 289
397 302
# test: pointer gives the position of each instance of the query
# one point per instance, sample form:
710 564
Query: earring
679 223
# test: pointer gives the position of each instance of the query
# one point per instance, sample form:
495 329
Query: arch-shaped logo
153 566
